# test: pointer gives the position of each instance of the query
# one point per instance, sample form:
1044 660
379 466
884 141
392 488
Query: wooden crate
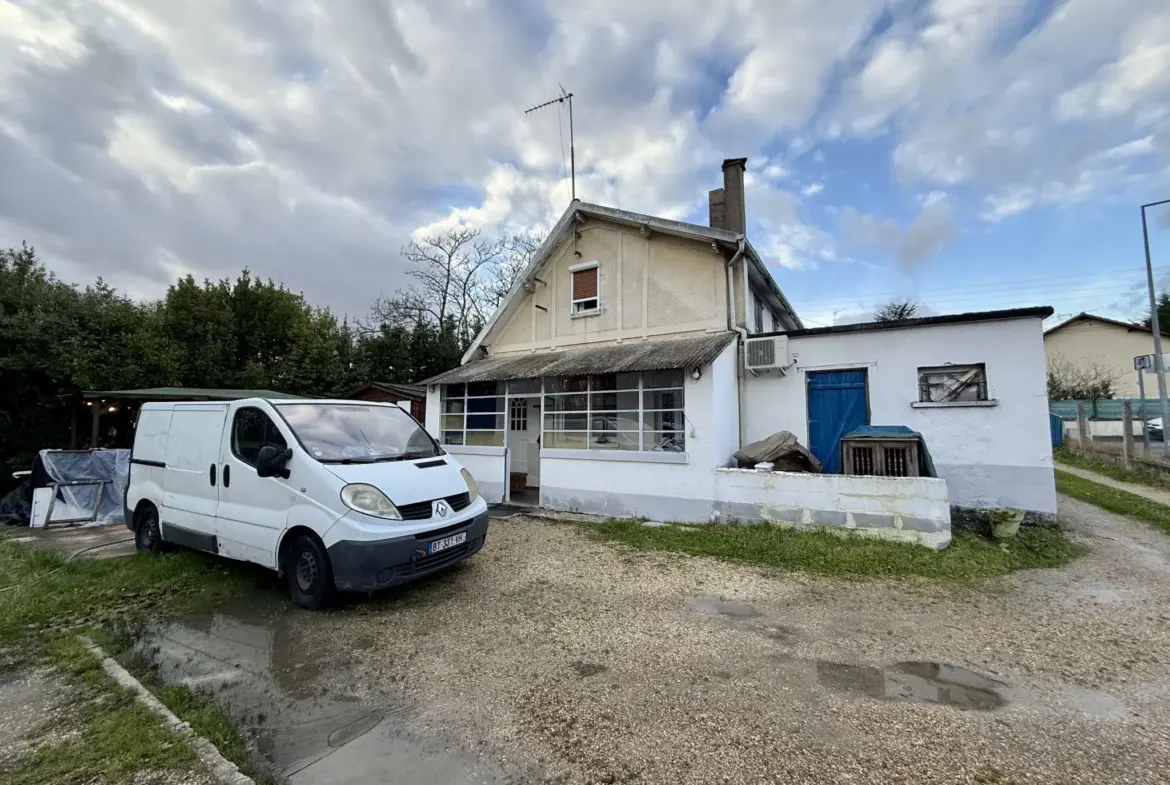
880 457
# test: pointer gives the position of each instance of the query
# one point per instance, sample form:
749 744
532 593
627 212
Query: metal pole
1156 328
1142 394
572 152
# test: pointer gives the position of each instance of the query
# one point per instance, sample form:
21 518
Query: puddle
717 606
286 697
929 682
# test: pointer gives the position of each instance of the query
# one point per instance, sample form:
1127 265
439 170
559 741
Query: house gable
648 284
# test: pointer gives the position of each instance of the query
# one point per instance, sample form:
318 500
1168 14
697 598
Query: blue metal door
836 405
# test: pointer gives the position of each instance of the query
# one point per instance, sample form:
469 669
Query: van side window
251 430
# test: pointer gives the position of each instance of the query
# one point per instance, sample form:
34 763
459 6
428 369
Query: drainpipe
732 325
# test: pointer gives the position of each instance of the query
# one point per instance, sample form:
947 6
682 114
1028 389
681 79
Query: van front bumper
369 565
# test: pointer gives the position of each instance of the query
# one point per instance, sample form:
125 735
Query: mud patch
587 669
928 682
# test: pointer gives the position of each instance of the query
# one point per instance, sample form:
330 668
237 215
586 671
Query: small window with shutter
584 288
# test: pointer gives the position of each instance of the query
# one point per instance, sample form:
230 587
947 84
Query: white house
614 380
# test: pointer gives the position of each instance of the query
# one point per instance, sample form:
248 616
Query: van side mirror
271 462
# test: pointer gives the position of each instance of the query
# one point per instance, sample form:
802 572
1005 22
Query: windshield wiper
349 460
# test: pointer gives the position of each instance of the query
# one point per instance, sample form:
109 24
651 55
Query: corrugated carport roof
611 358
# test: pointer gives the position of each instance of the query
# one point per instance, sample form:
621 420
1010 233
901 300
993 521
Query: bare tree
896 311
459 279
1079 381
515 252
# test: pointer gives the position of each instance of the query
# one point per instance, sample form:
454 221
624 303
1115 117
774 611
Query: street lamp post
1156 329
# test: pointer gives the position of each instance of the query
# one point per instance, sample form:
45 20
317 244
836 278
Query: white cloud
309 140
929 232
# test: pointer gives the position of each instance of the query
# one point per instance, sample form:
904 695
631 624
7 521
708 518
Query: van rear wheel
147 534
309 574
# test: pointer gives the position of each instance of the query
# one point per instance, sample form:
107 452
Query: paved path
89 542
1145 491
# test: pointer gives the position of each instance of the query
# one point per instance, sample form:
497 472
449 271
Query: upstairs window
952 384
759 314
584 292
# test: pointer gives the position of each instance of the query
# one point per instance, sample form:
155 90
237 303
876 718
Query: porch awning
610 358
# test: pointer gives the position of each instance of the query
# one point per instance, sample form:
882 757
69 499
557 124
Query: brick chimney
715 205
734 213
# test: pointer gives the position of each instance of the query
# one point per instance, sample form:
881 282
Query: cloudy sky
970 154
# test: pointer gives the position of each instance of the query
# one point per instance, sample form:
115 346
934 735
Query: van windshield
357 433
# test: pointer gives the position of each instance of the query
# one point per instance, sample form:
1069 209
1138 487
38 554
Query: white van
331 494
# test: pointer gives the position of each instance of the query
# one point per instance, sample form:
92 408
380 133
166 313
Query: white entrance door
523 432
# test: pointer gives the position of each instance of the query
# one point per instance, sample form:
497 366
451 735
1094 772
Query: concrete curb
220 767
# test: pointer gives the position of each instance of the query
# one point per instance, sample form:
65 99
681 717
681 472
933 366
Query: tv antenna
564 97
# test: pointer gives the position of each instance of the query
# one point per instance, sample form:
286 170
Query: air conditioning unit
767 354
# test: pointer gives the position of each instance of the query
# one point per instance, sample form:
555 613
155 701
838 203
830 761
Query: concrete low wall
915 509
486 465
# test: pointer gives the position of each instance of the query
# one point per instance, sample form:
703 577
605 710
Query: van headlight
472 488
368 499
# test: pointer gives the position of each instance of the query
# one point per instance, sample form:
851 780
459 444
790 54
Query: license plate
447 542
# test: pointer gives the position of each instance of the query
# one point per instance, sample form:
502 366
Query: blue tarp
925 462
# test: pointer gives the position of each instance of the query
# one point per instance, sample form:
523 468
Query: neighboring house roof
1089 317
1039 312
412 391
605 358
186 393
724 238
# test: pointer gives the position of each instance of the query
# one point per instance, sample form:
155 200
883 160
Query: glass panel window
656 379
557 421
662 399
611 401
620 411
524 387
484 388
518 416
566 403
476 406
614 381
566 384
663 421
614 421
485 438
251 430
485 422
952 384
572 440
663 441
607 440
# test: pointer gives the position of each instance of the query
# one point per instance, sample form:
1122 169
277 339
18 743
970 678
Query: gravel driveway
553 658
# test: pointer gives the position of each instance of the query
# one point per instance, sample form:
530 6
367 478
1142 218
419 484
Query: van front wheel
309 574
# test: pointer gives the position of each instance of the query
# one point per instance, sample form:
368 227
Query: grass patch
41 593
1114 500
1148 477
45 601
107 736
824 553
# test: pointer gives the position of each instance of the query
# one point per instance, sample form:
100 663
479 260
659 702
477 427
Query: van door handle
227 476
213 474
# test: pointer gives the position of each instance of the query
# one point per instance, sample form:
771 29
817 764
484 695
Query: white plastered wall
991 456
